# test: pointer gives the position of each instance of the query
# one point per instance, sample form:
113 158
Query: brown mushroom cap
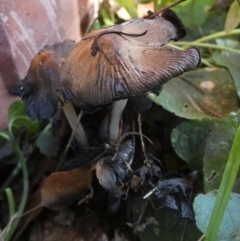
126 60
41 85
119 62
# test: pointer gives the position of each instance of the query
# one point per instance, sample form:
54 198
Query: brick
25 27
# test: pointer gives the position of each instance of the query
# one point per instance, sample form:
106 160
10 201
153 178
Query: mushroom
125 61
40 88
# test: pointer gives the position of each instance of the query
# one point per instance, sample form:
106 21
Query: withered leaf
112 172
61 189
172 193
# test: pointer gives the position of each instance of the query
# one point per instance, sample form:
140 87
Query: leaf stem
204 61
11 203
10 178
23 202
206 45
225 189
214 36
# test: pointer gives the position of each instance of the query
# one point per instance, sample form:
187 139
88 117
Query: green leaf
194 12
47 142
203 206
207 143
144 1
233 16
107 16
17 118
201 93
160 3
130 6
227 183
232 61
189 141
4 136
217 59
218 146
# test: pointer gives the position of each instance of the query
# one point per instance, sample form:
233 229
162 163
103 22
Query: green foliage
17 118
47 142
218 146
206 145
201 93
203 206
227 183
232 61
233 16
189 141
130 6
194 12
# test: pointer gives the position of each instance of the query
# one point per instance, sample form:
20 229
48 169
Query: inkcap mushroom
125 61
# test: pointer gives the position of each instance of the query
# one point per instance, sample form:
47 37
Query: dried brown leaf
61 189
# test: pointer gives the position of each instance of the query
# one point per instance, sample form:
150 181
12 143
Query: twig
163 9
184 230
124 136
131 133
150 193
69 141
202 237
141 138
186 221
140 217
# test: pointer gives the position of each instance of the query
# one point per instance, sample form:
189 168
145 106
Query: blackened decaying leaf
172 193
151 171
112 172
119 62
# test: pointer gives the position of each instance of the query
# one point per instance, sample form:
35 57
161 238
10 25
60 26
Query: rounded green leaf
207 92
203 206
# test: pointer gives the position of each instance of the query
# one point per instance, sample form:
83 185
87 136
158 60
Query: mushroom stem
72 118
115 116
